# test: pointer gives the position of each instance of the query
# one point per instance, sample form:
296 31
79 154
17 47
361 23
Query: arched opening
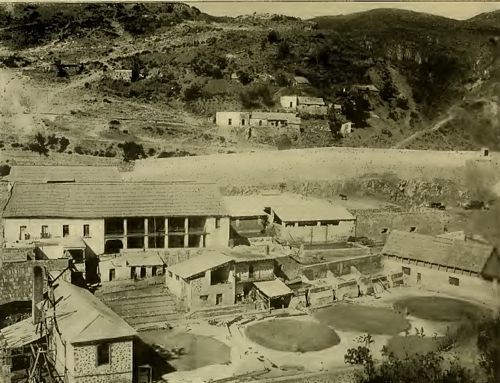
113 246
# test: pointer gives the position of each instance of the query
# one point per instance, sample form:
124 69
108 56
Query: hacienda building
109 218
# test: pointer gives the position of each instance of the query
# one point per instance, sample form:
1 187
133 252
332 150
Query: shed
274 293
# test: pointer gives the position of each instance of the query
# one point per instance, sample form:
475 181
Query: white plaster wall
315 234
221 118
55 229
433 279
175 286
217 237
286 100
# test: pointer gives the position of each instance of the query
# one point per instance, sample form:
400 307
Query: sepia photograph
249 192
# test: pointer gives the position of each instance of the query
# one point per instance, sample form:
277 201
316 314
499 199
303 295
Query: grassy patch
372 320
441 309
292 335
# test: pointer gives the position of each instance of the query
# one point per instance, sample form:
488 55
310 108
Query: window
111 274
250 271
22 232
217 223
65 230
419 277
243 122
453 281
45 231
384 230
260 122
153 271
143 272
218 299
413 229
291 104
406 270
103 354
229 121
86 230
204 298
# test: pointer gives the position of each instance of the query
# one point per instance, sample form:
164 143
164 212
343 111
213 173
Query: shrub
132 151
283 142
40 145
63 144
4 170
284 50
192 92
273 37
255 96
402 102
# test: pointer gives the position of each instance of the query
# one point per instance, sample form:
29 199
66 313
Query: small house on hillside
450 265
119 74
309 105
346 128
366 88
300 81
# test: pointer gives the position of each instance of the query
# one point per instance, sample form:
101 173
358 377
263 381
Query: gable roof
199 264
310 101
82 318
465 255
125 199
34 173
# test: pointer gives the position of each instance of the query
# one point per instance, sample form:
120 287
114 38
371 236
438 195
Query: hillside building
300 81
307 105
454 266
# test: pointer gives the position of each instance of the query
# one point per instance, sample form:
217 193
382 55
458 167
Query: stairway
143 305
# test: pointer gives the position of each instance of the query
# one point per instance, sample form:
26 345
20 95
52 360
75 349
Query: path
449 116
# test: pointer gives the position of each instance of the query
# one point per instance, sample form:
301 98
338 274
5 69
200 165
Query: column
146 231
166 233
186 230
124 233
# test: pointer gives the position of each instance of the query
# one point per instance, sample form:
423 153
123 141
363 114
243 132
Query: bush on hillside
256 96
132 151
192 92
4 170
273 37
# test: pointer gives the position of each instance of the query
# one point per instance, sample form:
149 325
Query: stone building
203 281
453 266
307 105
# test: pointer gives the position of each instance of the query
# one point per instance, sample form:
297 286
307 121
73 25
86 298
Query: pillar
146 231
166 233
124 233
186 230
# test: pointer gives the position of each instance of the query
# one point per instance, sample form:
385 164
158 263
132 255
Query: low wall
365 264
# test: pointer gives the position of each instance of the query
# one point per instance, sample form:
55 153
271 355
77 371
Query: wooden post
146 231
124 233
186 229
166 233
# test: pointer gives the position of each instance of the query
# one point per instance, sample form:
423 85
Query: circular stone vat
366 319
441 309
199 350
293 335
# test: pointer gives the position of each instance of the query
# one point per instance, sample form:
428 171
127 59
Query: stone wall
16 279
366 265
120 368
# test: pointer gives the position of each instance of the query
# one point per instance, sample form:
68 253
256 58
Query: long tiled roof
465 255
99 200
34 173
311 100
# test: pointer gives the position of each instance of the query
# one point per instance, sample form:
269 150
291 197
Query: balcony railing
45 235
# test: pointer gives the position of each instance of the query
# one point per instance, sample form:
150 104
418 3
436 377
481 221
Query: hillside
438 78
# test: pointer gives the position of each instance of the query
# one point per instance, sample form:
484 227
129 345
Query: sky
310 9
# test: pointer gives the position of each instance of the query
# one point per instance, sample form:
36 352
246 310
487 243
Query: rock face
409 193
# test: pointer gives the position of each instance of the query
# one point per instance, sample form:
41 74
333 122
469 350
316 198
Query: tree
4 170
192 92
283 50
132 151
488 342
40 145
273 37
244 77
416 368
63 144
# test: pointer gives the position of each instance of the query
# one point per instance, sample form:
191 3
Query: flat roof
124 199
245 206
297 209
273 289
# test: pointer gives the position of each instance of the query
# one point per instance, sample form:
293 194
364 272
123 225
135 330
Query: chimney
37 295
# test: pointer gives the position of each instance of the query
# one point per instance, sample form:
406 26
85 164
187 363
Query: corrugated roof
459 254
298 209
310 101
199 264
128 199
83 318
274 288
19 334
34 173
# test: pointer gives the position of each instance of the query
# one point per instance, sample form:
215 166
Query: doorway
218 299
